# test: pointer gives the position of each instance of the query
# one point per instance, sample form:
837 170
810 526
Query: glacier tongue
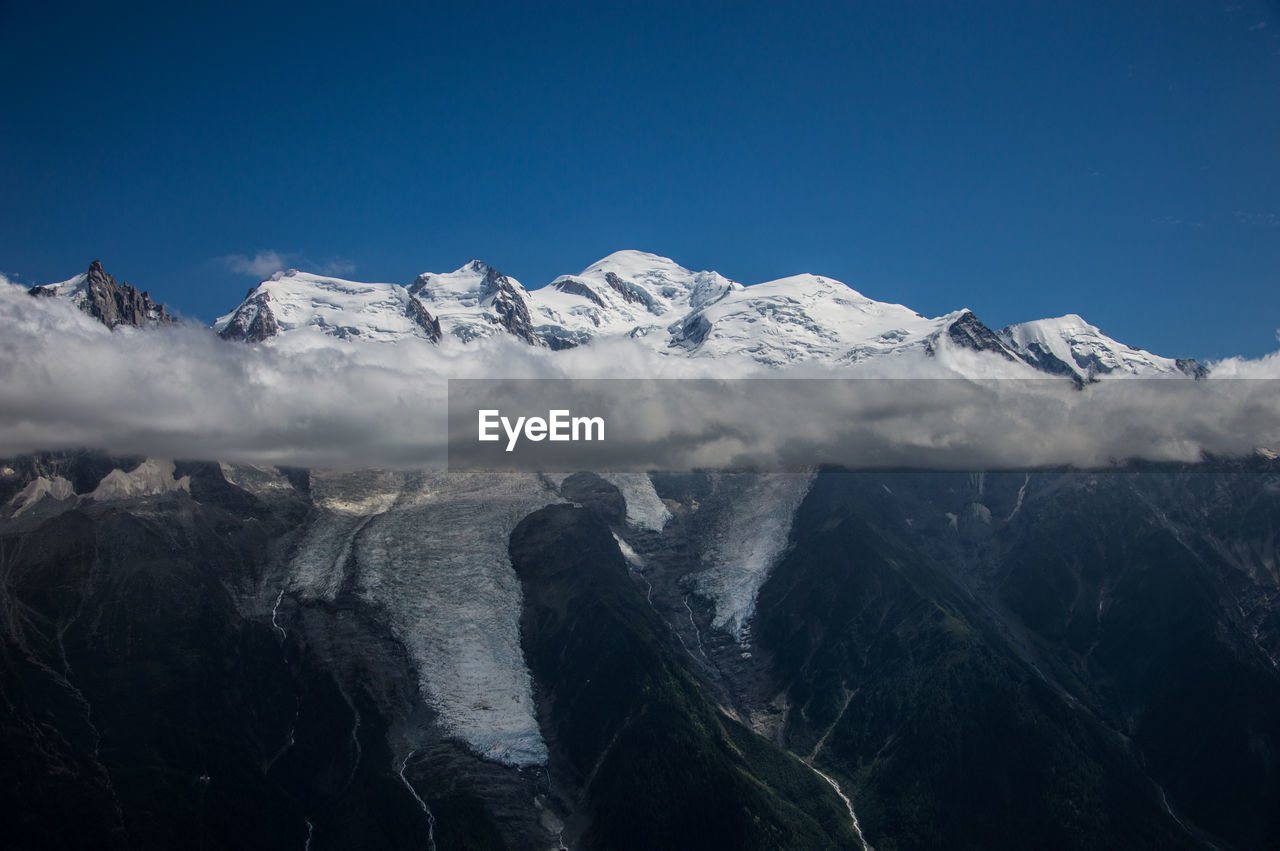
748 540
644 507
431 551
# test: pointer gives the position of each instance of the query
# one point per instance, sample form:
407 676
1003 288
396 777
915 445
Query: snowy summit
672 310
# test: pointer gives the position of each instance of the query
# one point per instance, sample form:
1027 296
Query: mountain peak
632 264
1067 321
98 294
808 283
348 310
1069 345
643 296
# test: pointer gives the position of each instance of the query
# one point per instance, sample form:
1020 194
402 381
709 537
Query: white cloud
260 265
269 261
336 266
308 399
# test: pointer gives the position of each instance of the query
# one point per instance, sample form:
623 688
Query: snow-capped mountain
477 301
807 317
97 294
347 309
400 658
675 311
1068 345
631 293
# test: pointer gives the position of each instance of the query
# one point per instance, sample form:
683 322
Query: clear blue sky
1117 160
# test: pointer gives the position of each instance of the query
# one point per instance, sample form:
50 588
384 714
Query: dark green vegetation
639 743
1039 677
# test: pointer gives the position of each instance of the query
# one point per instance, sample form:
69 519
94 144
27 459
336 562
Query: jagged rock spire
98 294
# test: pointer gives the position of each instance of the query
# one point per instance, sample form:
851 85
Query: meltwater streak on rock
857 828
432 553
431 817
748 540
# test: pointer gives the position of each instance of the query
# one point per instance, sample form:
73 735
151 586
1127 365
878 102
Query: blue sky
1119 161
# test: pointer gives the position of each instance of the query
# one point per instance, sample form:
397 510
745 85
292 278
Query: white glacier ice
750 537
431 551
644 508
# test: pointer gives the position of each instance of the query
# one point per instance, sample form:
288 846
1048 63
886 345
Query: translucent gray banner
791 424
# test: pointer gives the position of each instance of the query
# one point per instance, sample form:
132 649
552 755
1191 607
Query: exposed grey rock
253 321
969 332
111 303
579 288
1192 367
629 291
690 332
415 311
508 304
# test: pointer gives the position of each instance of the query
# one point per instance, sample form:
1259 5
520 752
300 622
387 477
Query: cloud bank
306 399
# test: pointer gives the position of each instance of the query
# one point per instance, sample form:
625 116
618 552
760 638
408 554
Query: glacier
431 551
747 541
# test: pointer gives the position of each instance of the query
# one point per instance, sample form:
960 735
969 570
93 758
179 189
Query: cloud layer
311 400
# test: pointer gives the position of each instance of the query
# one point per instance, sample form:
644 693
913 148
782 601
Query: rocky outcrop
415 311
629 291
1192 367
969 332
579 288
509 307
253 321
99 295
690 332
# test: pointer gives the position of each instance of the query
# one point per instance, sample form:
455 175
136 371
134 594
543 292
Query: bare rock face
418 313
99 295
1192 367
253 321
968 332
512 313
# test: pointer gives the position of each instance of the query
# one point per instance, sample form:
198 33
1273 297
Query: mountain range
210 654
654 301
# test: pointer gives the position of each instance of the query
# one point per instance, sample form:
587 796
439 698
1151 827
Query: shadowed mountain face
1080 668
220 656
643 756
